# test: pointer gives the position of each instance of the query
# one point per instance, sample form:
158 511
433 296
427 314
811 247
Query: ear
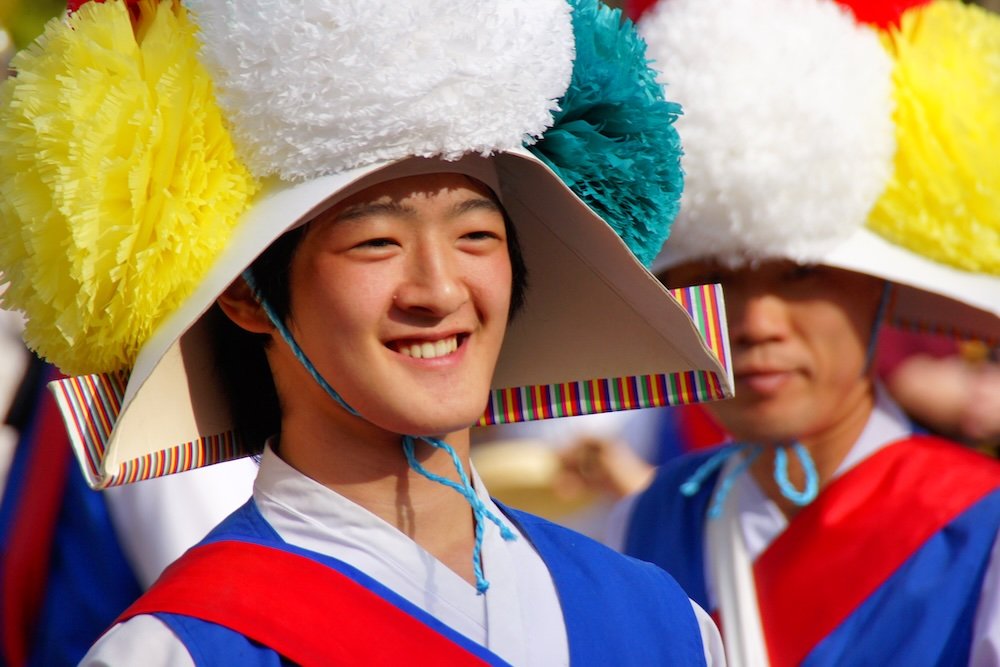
240 306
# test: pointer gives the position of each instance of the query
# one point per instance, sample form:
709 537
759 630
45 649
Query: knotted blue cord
693 483
479 509
811 489
726 484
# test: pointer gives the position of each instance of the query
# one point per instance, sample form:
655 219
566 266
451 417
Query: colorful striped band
586 397
90 405
705 306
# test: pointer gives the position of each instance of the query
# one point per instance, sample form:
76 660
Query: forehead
781 278
414 190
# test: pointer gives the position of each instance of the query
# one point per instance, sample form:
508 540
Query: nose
755 315
433 284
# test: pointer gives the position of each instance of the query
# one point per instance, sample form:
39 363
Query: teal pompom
613 142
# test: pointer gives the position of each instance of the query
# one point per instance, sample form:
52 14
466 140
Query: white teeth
430 350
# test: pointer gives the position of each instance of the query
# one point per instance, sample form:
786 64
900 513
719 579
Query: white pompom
314 87
787 128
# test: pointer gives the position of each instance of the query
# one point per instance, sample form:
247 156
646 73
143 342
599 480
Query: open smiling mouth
429 349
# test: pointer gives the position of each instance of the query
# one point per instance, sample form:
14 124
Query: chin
427 423
758 425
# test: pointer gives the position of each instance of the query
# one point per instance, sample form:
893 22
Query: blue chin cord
479 510
693 484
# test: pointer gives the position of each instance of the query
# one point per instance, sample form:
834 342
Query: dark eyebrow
395 208
372 208
477 204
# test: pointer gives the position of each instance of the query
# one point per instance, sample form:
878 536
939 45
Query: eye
481 235
804 272
377 243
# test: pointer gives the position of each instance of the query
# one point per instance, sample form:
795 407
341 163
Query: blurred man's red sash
838 550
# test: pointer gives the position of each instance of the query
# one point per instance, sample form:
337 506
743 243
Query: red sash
305 611
26 556
838 550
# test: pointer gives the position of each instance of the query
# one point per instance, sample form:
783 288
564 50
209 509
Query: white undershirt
519 618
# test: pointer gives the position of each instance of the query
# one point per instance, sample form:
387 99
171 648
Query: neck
827 446
367 466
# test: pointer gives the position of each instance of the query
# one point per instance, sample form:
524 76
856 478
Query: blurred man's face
799 338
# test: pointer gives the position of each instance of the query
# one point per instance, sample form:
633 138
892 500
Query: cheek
840 348
337 303
492 286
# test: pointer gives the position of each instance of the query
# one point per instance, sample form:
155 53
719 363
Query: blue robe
923 611
617 610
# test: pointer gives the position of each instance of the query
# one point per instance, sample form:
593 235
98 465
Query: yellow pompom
119 184
944 198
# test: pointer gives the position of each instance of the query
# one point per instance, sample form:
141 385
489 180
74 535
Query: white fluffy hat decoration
788 125
798 117
152 149
316 88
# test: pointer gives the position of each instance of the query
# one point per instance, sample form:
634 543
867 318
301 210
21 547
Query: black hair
239 354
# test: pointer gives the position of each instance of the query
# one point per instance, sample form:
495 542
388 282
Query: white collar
521 602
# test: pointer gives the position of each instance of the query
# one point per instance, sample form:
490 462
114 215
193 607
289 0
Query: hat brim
929 296
597 333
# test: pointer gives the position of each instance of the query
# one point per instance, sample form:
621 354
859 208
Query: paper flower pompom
314 87
613 141
787 126
944 199
118 183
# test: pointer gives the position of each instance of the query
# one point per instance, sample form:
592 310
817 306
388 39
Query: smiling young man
311 245
417 276
830 530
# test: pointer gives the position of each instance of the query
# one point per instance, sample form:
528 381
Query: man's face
799 338
399 295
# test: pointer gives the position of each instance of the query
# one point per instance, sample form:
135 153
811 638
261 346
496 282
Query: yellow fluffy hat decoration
941 201
155 188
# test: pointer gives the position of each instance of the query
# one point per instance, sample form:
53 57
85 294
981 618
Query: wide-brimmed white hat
855 135
315 101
